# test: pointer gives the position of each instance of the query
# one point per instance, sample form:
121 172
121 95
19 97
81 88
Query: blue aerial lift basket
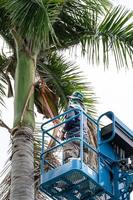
111 178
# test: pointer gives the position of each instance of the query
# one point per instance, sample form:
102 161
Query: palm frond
95 5
114 35
2 90
33 20
63 78
45 100
5 64
75 19
3 82
5 26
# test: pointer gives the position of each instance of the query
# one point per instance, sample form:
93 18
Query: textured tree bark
22 167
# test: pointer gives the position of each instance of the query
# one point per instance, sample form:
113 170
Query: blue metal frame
111 116
108 164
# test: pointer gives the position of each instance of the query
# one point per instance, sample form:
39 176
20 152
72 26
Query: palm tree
61 78
37 28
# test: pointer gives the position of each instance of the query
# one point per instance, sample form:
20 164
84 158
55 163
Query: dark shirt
72 127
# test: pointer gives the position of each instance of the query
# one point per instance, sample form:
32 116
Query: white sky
114 91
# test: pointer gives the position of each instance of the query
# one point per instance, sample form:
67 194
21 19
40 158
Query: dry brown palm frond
92 157
46 101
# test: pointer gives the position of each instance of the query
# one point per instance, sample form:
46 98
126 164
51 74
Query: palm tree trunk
22 171
24 89
22 165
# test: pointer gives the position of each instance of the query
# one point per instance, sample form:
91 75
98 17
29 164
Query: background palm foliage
116 36
62 78
2 89
43 28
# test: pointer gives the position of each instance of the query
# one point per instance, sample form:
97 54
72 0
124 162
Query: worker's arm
68 125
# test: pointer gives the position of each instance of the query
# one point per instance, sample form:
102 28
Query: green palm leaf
63 77
3 81
33 20
113 35
80 22
77 18
2 90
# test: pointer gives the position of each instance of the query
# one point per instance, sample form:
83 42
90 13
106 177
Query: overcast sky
114 91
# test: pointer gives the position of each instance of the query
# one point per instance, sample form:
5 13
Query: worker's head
76 96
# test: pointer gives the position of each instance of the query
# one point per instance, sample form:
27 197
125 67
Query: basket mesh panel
75 186
75 177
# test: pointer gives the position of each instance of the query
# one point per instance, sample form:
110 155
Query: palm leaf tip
112 36
2 90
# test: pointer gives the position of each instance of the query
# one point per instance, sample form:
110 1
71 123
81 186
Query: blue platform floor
69 182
